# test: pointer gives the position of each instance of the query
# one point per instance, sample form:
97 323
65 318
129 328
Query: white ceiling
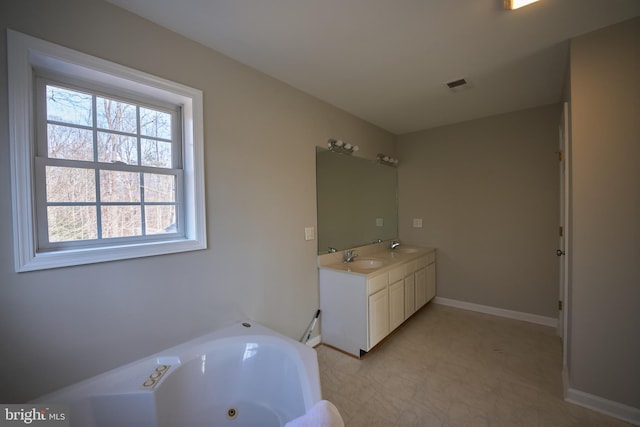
387 61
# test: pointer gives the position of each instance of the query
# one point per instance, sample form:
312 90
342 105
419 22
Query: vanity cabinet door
378 316
409 296
431 281
396 304
421 288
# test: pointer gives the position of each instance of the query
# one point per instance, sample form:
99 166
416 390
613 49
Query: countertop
386 258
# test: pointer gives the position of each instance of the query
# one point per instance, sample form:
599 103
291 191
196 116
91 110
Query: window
106 161
107 168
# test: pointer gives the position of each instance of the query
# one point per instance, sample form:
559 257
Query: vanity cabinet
360 309
355 310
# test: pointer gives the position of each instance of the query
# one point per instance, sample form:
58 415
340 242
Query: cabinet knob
560 252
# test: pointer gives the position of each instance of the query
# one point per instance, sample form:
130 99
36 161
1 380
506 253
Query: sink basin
367 263
405 250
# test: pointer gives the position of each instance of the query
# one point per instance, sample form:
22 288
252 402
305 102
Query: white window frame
27 56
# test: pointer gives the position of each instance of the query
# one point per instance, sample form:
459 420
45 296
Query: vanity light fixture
340 146
516 4
386 160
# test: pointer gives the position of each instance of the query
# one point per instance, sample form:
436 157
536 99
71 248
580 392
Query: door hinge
559 305
561 231
560 155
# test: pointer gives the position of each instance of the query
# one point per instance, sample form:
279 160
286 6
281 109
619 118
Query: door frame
565 187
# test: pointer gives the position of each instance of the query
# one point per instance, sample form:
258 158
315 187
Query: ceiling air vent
458 85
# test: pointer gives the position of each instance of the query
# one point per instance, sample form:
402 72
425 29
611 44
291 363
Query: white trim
317 340
605 406
26 53
565 381
563 317
598 404
518 315
20 97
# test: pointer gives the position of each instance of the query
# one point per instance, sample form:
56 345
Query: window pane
116 115
156 153
121 221
72 223
159 188
118 186
64 142
160 219
70 184
155 123
68 106
117 148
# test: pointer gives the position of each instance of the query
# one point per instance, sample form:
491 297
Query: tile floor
451 367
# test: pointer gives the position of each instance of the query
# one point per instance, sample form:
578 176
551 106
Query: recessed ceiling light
516 4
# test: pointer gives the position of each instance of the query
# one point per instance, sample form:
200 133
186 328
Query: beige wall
488 194
59 326
605 257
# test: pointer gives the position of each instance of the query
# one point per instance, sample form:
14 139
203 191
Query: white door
421 288
378 316
409 295
564 227
396 304
431 281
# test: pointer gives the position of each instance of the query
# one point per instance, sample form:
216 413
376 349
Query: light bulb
516 4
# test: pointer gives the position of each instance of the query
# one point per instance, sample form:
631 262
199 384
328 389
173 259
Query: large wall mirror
357 201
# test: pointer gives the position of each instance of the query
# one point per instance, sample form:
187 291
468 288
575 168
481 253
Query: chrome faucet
394 244
349 256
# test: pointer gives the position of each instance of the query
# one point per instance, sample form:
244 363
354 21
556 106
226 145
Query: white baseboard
315 341
600 404
518 315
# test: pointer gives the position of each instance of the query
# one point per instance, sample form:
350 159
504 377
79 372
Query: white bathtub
238 376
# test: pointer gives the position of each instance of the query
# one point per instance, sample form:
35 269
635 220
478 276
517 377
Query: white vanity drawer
422 261
377 283
410 267
396 274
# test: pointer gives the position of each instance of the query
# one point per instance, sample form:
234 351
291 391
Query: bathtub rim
115 381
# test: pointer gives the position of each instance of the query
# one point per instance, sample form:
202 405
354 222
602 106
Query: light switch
379 222
309 233
417 222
